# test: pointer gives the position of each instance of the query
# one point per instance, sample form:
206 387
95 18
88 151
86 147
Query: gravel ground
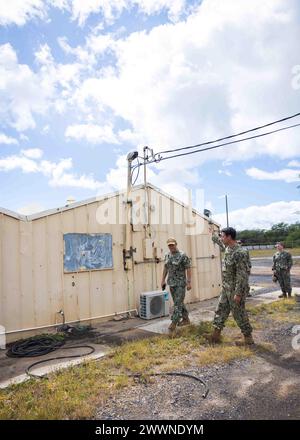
266 386
261 274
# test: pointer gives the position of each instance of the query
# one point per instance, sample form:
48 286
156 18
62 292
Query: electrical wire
231 136
138 172
59 357
219 145
169 373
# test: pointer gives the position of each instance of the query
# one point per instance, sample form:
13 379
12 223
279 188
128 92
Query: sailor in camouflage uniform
177 264
282 263
235 287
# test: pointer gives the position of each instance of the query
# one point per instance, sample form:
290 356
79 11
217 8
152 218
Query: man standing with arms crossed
234 287
178 268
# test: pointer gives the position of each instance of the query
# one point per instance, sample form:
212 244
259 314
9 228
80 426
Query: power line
220 145
138 172
231 136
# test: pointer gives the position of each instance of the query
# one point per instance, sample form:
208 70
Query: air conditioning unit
154 304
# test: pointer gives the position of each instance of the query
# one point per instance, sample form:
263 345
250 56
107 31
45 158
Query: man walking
178 268
282 263
234 287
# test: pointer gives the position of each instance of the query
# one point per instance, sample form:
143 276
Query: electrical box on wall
148 248
159 253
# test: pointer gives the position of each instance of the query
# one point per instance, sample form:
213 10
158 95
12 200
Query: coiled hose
41 345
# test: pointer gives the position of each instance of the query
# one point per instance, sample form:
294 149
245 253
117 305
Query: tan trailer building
86 260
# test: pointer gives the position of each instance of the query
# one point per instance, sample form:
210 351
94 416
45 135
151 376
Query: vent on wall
154 304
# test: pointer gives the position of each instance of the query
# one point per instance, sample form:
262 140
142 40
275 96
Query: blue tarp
87 252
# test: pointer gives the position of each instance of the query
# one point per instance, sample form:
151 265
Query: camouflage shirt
217 240
282 260
176 265
236 268
249 264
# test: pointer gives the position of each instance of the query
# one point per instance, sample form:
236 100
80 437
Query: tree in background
290 234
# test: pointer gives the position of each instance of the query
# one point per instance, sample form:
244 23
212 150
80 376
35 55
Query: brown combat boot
172 326
248 340
185 321
215 337
283 295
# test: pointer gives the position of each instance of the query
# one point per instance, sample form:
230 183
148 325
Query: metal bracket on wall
203 258
127 254
152 260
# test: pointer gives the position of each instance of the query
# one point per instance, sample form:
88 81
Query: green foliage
290 234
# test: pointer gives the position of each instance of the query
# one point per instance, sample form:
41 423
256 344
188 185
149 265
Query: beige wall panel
27 293
55 266
34 287
70 297
91 212
2 315
11 278
40 271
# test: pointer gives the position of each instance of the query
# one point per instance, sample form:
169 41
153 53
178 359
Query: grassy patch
271 252
74 393
281 311
221 354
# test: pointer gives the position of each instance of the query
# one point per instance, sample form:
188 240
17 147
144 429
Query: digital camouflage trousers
284 279
226 305
180 311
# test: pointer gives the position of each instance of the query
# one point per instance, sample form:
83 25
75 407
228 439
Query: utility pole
128 251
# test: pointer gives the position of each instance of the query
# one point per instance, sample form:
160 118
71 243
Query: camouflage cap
171 241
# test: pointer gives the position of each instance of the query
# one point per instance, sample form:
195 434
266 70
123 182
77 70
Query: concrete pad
270 296
256 288
156 326
196 316
161 325
54 365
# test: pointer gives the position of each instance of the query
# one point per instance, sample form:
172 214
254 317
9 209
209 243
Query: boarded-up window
87 252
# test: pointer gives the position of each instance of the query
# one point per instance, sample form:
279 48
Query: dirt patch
265 386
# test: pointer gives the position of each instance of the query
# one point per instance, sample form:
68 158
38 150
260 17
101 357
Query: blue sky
83 83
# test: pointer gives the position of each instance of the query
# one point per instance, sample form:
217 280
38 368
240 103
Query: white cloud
23 137
22 92
31 208
21 162
165 85
20 11
25 93
294 163
286 175
7 139
94 134
110 10
262 217
168 86
45 129
33 153
226 172
57 172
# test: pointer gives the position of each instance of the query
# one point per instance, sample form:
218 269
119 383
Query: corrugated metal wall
34 287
